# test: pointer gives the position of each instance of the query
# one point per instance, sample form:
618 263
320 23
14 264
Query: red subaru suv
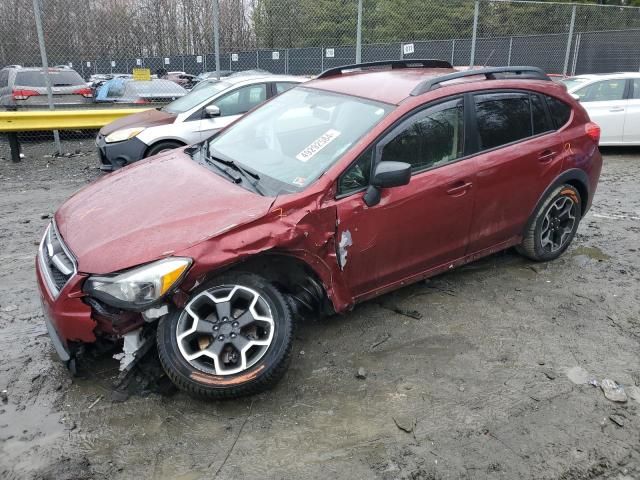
368 178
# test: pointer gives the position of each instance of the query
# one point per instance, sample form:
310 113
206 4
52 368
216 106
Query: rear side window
4 78
560 111
503 118
541 123
62 78
636 89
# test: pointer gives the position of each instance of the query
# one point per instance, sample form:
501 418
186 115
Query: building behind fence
308 36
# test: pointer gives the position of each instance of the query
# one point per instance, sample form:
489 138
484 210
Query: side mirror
212 111
575 96
387 175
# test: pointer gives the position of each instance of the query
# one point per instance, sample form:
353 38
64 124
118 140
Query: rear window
59 78
560 111
503 118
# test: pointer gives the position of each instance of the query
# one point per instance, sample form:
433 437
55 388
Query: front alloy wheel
232 338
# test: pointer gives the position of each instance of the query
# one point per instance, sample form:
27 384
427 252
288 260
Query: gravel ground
479 373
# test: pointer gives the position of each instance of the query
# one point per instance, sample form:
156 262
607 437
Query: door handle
617 109
546 156
459 188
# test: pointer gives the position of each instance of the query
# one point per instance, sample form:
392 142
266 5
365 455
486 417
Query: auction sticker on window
325 139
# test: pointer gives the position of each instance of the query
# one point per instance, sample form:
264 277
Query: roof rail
429 63
492 73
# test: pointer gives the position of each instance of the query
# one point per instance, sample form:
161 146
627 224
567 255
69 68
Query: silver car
187 120
27 87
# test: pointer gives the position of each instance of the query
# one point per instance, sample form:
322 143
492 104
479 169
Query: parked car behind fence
192 118
127 90
613 102
27 87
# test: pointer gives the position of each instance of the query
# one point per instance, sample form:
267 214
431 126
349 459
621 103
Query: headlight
139 287
124 134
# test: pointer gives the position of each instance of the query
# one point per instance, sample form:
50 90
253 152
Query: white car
187 120
613 102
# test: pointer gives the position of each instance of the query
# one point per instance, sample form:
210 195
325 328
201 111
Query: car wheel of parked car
232 338
162 147
554 225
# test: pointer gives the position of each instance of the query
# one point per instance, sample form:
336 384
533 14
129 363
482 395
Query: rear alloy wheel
554 226
232 338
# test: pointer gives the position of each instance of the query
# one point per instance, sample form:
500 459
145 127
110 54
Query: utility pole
45 69
359 34
216 35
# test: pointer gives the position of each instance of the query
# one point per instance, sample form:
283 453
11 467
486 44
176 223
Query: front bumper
117 155
67 317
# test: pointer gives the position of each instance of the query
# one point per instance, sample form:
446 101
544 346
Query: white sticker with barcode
325 139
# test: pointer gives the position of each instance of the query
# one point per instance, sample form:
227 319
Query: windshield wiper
246 173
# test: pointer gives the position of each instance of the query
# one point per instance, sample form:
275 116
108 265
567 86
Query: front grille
56 262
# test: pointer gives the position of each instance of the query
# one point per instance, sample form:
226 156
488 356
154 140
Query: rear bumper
116 155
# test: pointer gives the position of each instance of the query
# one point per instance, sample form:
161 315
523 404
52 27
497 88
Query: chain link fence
91 41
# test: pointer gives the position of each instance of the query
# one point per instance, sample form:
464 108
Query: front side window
282 87
357 175
202 93
242 100
297 136
431 138
604 91
502 118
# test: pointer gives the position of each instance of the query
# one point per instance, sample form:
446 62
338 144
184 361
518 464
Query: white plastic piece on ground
133 342
613 391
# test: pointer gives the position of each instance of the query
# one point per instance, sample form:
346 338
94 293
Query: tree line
89 29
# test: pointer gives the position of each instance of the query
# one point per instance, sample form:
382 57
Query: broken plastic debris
613 391
594 382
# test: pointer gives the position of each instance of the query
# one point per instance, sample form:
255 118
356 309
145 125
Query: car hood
150 210
146 118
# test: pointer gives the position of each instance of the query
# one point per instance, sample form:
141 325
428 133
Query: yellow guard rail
38 120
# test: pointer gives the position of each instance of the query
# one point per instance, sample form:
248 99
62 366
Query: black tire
160 147
258 377
532 242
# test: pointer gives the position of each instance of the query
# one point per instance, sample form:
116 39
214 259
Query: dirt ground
479 373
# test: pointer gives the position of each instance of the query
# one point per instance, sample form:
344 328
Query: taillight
593 131
24 94
140 100
85 92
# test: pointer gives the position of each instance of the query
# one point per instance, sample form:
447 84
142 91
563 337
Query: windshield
62 78
196 97
573 82
298 135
